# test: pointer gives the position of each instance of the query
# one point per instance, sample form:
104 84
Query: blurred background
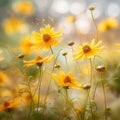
19 18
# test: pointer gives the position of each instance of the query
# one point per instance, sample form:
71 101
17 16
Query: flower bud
21 56
100 68
86 86
64 54
71 43
92 8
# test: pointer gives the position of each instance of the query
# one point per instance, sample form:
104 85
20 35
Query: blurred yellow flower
108 24
9 104
88 50
4 80
26 99
38 61
66 80
24 7
47 37
70 19
14 25
26 45
1 57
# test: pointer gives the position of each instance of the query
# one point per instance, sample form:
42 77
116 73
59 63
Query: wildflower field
59 60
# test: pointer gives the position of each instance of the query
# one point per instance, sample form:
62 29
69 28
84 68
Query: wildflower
9 104
88 50
108 24
23 7
1 57
70 19
4 80
26 98
38 61
47 37
14 25
26 44
66 80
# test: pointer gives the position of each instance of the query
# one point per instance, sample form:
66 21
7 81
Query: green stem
11 116
105 102
32 101
91 72
66 62
95 26
48 88
39 88
84 114
95 90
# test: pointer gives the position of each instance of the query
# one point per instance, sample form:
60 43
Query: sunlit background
72 16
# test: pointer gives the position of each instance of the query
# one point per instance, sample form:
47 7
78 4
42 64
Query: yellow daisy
66 80
23 7
14 25
70 19
26 44
9 104
47 37
108 24
4 80
38 61
88 50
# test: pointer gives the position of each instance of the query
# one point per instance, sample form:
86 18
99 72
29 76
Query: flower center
108 27
1 79
86 49
38 61
6 104
67 79
46 37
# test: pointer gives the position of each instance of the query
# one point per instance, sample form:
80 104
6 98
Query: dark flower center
86 49
67 79
108 27
46 37
6 104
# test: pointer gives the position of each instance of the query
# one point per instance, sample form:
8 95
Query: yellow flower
4 80
47 37
88 50
14 25
26 99
70 19
1 57
26 44
23 7
108 24
9 104
66 80
38 61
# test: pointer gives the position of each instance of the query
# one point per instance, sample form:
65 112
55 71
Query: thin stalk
95 90
66 62
32 102
66 93
39 88
11 116
105 102
91 71
84 114
48 88
97 37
